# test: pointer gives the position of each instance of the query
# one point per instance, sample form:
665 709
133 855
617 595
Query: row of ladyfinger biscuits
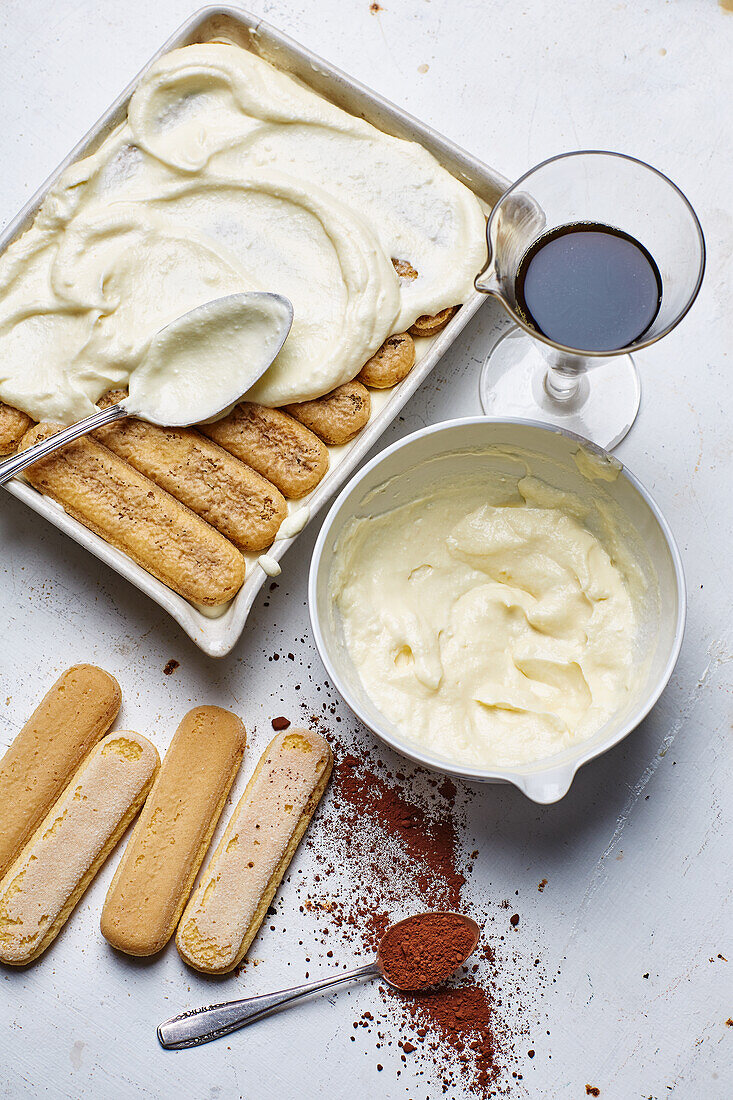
68 793
185 503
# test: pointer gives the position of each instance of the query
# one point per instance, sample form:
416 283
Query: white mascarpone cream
207 359
229 175
487 621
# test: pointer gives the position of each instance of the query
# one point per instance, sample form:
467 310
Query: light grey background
638 855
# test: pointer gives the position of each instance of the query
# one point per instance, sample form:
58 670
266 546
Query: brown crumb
591 1090
280 723
514 920
171 667
375 10
541 886
729 1022
404 269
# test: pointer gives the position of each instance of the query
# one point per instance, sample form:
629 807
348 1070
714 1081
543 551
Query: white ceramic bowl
545 780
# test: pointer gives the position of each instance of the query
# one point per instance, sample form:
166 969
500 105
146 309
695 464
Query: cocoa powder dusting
385 847
459 1017
401 844
425 949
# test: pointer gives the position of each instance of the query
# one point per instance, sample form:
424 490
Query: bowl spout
547 786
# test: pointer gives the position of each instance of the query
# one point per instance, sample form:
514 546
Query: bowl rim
541 784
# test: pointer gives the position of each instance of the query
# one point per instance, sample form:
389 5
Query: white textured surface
637 857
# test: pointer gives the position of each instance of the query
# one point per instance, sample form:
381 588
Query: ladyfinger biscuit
337 417
230 496
388 366
13 426
160 863
130 512
274 444
431 323
231 900
69 720
53 870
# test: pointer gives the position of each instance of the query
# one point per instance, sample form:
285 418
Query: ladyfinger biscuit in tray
274 444
430 324
388 366
337 417
69 720
230 902
47 879
13 426
215 485
160 863
134 514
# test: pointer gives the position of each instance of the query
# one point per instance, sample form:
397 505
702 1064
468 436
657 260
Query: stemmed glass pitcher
529 375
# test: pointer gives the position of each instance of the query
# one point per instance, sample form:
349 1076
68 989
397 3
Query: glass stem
564 378
562 385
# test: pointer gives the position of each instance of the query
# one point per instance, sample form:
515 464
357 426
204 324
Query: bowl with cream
498 600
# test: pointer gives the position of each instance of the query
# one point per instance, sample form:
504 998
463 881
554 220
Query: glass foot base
602 410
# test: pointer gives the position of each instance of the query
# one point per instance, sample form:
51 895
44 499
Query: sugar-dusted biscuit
69 720
157 871
388 366
337 417
210 481
231 900
431 324
134 514
48 877
13 426
274 444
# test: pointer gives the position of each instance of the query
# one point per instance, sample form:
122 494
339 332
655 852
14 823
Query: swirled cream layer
487 621
229 175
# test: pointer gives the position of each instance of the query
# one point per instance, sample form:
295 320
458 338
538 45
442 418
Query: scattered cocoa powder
425 949
403 846
385 845
459 1016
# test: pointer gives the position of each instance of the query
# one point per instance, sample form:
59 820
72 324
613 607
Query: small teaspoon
201 1025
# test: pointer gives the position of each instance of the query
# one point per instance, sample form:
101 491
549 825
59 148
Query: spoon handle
190 1029
12 466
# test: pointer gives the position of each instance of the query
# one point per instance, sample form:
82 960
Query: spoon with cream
416 953
193 370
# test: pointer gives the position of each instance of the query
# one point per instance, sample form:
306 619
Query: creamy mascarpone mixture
490 625
229 175
233 339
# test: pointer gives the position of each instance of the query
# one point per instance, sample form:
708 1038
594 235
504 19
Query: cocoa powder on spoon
426 949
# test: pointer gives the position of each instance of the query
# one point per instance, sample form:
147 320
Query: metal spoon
201 1025
164 361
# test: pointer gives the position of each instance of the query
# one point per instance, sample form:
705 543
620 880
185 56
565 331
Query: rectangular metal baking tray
217 636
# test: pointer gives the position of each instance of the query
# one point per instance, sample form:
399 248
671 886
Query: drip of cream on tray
229 175
487 621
